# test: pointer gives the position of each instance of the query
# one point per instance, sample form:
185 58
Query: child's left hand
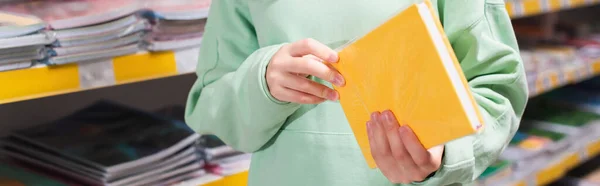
398 152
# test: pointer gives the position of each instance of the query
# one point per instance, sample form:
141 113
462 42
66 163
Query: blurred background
93 93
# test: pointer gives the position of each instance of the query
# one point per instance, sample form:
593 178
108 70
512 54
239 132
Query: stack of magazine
221 160
83 30
563 121
87 30
21 41
110 144
176 24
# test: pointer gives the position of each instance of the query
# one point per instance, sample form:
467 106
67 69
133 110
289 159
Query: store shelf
523 8
549 169
555 78
41 81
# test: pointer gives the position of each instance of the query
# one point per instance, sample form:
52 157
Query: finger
397 147
419 154
399 152
308 86
436 156
315 48
381 151
286 94
315 68
310 57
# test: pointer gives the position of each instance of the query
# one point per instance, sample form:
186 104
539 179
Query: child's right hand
288 68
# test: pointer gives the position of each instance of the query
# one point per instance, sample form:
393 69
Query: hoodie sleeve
230 98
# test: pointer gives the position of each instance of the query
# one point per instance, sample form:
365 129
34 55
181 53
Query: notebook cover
11 175
412 82
62 14
13 25
179 9
99 29
77 137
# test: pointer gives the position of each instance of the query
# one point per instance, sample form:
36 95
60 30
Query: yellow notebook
407 65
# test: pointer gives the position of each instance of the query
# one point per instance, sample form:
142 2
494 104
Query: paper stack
21 41
87 30
177 24
110 144
221 160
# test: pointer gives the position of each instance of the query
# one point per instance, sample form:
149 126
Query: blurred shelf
523 8
554 78
553 167
42 81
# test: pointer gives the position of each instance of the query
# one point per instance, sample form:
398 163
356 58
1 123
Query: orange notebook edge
457 65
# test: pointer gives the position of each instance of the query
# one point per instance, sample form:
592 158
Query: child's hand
288 67
397 150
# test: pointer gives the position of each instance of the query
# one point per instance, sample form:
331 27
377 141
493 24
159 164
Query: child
262 88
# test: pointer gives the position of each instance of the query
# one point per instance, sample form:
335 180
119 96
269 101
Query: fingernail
339 80
403 129
388 116
374 117
333 58
332 95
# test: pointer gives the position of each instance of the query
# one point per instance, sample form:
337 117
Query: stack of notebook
176 24
109 144
221 159
109 39
87 30
21 41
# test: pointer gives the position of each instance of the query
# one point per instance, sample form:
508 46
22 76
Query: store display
554 129
85 30
95 146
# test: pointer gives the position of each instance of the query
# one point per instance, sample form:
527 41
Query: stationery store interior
94 93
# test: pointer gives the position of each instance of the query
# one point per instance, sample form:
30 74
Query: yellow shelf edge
45 81
525 8
557 170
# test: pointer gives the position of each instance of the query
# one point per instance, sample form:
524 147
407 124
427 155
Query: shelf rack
41 81
554 167
555 78
524 8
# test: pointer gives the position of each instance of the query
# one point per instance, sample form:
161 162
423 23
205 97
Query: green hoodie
304 145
